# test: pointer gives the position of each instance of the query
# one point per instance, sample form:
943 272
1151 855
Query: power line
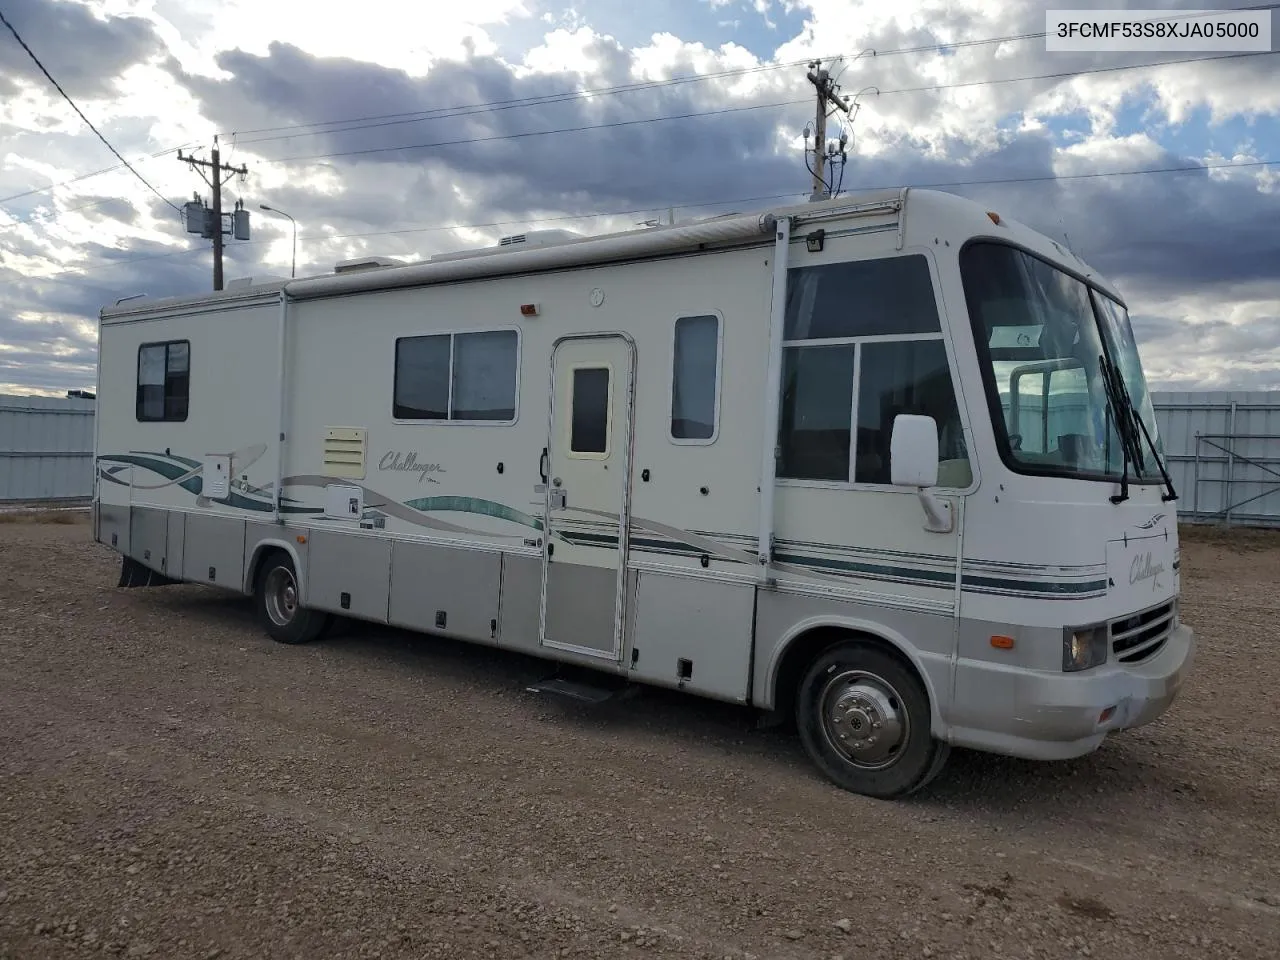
492 106
541 133
612 124
415 116
795 194
86 176
1080 73
48 215
58 87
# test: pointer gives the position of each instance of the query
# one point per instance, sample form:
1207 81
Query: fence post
1227 493
1195 484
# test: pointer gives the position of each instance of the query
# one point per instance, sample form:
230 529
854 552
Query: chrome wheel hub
864 719
281 596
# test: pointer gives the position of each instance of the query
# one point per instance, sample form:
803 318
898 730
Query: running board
579 690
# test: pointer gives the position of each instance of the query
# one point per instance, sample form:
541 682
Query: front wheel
863 716
276 599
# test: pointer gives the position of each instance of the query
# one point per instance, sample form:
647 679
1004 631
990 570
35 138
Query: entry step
583 691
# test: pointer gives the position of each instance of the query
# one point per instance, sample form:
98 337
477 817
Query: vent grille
1143 635
344 452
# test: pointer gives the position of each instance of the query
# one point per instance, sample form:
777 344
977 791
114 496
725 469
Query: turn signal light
528 309
1002 643
995 217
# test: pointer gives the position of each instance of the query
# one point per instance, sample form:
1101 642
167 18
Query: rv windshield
1040 335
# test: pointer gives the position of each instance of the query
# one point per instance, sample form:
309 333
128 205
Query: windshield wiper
1122 403
1124 426
1151 444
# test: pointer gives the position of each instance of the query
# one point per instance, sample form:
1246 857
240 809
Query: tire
848 689
275 598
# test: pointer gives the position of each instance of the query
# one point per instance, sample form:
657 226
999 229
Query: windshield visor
1040 333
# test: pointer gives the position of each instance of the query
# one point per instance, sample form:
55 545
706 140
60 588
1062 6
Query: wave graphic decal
186 473
487 508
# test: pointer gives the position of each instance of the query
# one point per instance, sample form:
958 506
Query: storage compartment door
694 634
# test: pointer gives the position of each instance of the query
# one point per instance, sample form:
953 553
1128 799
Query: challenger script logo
408 463
1144 568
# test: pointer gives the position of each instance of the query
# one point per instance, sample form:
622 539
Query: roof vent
366 263
240 283
539 238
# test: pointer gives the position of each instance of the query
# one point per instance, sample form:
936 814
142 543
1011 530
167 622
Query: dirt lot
174 785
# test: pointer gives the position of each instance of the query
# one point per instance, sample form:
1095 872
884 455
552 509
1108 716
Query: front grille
1141 636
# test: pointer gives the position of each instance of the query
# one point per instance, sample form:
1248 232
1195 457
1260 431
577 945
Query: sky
405 128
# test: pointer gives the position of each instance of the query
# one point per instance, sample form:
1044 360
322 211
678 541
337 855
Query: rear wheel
863 716
276 597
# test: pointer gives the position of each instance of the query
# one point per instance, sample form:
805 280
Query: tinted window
861 299
462 376
904 376
422 378
164 381
693 378
589 428
484 376
817 405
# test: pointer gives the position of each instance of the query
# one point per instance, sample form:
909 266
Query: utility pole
820 77
209 222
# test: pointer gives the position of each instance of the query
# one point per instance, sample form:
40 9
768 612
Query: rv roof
556 249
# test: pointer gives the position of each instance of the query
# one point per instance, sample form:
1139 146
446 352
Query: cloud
1194 253
85 53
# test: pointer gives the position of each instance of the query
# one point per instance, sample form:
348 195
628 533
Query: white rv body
306 425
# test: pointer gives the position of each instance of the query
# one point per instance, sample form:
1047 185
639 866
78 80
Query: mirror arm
939 517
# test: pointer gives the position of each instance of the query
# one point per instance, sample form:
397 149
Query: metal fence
1223 451
46 449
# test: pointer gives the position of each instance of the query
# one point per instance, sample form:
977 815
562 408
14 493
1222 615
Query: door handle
544 465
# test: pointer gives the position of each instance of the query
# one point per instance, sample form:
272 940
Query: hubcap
864 719
281 596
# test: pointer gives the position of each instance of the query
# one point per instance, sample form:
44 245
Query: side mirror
913 451
913 462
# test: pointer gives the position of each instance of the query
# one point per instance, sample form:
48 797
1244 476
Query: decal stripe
649 537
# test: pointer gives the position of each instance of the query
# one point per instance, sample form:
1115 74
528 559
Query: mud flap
134 574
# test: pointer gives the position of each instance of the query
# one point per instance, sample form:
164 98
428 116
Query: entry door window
589 424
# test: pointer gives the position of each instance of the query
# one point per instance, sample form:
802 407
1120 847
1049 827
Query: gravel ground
174 785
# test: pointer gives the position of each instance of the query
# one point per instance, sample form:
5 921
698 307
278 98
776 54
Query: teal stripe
487 508
992 585
167 470
945 578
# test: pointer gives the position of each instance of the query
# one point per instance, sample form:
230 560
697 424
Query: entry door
586 471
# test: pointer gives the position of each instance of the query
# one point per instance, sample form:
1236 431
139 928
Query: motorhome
883 465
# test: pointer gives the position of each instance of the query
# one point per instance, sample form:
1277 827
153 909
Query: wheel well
259 560
807 647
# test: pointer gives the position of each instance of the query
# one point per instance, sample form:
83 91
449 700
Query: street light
293 270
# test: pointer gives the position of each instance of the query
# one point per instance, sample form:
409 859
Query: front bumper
1060 715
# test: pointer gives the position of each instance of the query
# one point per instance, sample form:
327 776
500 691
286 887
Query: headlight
1084 647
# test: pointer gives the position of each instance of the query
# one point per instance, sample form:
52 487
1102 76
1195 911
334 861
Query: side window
817 403
589 423
484 376
457 376
906 376
421 386
164 381
861 298
694 379
871 328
